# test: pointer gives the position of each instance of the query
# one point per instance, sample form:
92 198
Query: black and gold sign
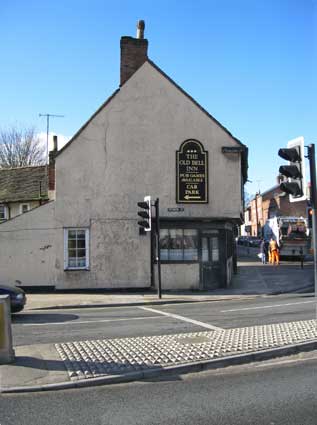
191 173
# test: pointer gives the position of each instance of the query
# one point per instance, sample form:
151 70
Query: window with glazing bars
179 244
76 248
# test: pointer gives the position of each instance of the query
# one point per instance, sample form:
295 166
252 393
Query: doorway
210 261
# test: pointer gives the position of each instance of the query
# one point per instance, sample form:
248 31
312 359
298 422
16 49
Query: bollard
6 349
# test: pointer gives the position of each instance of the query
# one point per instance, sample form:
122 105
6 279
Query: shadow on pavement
109 368
38 318
38 363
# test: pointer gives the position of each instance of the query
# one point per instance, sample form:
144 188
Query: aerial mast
47 128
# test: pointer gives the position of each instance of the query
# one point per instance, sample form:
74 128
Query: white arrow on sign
192 197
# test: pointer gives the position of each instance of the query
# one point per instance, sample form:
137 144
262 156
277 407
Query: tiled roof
23 184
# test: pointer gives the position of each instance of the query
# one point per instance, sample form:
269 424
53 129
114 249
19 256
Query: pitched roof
88 121
244 156
244 153
23 184
271 189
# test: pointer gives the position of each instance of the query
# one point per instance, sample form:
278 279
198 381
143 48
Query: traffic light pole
146 226
158 258
312 166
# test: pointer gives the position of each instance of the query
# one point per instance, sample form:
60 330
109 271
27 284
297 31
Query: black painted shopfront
209 243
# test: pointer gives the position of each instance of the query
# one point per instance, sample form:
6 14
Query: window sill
178 262
77 269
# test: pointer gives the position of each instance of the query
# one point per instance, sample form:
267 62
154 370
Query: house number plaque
191 173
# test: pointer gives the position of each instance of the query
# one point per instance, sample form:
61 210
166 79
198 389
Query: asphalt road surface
115 322
276 392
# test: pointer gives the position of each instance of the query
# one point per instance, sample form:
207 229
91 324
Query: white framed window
24 208
76 249
3 212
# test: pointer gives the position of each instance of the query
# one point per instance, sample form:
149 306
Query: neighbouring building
271 203
149 138
22 189
25 188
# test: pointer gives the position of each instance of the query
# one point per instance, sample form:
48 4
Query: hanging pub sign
191 173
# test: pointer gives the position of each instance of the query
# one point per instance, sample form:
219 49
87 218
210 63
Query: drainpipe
256 213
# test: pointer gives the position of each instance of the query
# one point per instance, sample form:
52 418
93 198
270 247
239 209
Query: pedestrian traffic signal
145 213
294 172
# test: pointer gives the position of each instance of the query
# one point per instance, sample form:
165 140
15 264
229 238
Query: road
112 322
276 392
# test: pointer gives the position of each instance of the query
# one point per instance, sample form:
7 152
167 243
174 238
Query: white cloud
61 140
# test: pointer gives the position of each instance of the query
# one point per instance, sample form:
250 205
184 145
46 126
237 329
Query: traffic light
294 171
145 213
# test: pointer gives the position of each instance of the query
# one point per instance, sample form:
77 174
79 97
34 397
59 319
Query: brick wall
51 177
133 56
271 203
292 208
51 165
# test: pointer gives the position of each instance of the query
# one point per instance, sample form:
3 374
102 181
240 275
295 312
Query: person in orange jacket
269 254
274 249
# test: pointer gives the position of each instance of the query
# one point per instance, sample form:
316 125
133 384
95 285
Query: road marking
86 307
184 319
75 322
267 306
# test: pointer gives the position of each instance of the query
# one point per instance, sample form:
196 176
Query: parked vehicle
17 297
291 234
243 240
254 241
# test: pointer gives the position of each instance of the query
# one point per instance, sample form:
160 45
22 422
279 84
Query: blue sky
250 63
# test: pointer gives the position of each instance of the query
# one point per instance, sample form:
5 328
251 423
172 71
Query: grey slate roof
23 184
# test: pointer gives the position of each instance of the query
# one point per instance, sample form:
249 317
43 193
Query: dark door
210 261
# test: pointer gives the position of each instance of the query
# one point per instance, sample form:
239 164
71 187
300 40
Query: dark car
254 241
243 240
17 297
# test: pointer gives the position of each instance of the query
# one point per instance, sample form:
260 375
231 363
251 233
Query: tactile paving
88 359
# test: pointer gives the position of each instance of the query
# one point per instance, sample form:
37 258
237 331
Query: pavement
43 367
252 279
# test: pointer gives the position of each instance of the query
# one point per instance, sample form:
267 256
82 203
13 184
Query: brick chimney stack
133 53
51 165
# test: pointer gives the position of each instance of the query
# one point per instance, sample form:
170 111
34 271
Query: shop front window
176 245
190 245
3 215
215 249
179 245
205 250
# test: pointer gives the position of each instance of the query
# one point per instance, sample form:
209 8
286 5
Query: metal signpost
158 258
146 226
312 166
295 184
